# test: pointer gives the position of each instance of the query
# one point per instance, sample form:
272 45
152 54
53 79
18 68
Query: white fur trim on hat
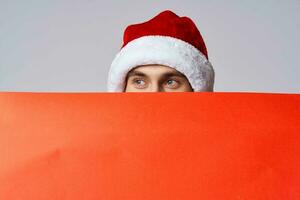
163 50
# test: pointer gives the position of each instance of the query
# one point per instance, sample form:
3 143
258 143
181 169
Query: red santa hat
166 39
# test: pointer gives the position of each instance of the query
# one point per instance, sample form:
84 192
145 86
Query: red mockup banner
142 146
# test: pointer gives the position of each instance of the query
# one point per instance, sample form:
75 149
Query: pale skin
156 78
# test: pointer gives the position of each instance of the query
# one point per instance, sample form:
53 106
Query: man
164 54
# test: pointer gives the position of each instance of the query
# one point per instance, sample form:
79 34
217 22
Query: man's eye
139 83
172 83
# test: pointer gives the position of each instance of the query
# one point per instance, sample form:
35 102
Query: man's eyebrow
169 74
135 73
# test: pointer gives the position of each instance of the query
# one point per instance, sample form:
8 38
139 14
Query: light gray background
68 45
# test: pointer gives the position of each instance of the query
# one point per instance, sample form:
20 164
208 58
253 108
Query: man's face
156 78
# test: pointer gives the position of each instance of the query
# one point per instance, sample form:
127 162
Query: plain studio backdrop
68 45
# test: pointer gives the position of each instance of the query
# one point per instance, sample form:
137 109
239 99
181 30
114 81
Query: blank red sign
140 146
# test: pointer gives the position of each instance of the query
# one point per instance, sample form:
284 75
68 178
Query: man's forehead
162 70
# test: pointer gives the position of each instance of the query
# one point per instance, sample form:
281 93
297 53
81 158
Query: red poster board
133 146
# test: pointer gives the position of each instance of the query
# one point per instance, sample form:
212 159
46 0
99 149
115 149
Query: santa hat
166 39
